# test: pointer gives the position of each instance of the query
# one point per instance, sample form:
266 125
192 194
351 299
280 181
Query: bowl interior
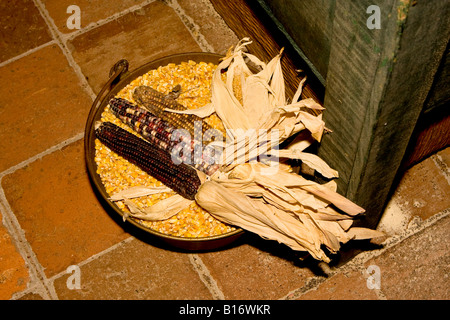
204 243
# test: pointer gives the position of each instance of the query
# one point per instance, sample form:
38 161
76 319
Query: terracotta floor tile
152 32
22 28
267 271
136 270
90 11
13 272
417 268
42 105
423 191
58 210
210 24
349 286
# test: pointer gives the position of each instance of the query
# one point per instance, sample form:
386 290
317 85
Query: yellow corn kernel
117 174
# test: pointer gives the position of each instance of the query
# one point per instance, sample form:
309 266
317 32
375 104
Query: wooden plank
377 84
310 24
359 58
439 95
431 134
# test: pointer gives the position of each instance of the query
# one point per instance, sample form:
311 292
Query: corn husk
254 215
263 196
162 210
254 189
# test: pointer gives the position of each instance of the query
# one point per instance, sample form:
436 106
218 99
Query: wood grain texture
431 134
439 95
310 24
388 127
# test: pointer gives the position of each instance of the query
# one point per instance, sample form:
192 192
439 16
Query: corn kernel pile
118 174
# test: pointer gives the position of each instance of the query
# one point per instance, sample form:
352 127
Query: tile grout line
395 240
191 26
37 275
357 262
93 257
62 43
93 25
205 276
311 284
38 281
40 155
442 166
35 269
12 223
26 53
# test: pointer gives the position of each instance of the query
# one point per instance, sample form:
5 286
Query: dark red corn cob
157 162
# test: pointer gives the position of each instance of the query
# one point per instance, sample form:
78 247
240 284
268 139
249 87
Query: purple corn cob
157 162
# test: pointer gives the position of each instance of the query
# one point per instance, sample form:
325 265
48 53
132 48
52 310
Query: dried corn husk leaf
300 227
263 91
226 105
301 141
284 184
312 160
299 90
252 189
162 210
345 224
258 217
358 233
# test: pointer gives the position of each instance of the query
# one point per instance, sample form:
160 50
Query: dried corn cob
162 134
155 161
143 122
156 102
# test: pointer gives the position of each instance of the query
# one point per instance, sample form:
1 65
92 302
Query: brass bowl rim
89 142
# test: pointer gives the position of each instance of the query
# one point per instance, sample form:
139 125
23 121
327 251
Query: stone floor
52 222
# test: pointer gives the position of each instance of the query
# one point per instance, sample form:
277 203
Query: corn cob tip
143 91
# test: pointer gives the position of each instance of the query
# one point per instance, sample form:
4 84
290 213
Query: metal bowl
119 77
